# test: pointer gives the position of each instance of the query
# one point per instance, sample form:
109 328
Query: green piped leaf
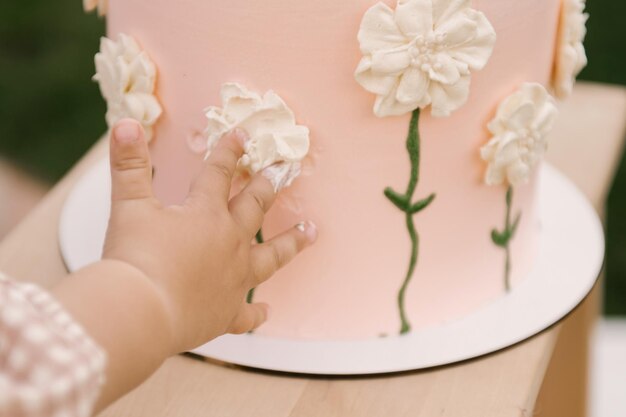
500 238
399 200
422 204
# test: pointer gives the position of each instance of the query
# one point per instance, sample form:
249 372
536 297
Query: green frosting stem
259 240
507 248
405 203
259 237
410 224
503 239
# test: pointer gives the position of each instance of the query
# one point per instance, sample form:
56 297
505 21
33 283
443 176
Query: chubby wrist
124 294
152 297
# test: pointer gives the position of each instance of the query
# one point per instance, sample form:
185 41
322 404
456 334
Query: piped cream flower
276 140
127 80
422 53
570 54
101 5
520 129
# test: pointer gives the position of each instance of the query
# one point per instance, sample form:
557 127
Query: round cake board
570 257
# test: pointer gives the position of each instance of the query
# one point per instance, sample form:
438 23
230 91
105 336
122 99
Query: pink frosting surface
346 286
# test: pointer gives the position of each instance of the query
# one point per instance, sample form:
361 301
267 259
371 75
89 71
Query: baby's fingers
250 317
215 180
278 252
249 207
131 169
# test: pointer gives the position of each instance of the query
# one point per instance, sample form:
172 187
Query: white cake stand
571 256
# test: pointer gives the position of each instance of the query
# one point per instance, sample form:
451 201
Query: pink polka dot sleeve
49 366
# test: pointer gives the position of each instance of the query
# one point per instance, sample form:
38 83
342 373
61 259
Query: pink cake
470 250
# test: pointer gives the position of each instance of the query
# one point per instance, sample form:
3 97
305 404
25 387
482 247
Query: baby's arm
173 278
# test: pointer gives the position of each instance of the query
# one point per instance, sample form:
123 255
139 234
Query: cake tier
346 286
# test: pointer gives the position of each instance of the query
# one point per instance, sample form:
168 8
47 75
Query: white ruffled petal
262 149
373 82
448 98
521 127
142 107
535 93
127 78
106 78
449 72
239 102
272 115
545 118
274 136
444 39
379 30
570 54
152 108
444 10
488 151
459 30
507 107
391 62
518 173
128 49
508 149
413 88
494 175
522 116
476 47
217 126
292 144
388 105
273 102
414 17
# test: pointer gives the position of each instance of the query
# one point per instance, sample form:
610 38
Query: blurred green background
51 113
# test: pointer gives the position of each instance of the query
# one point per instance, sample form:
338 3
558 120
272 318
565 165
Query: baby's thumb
131 169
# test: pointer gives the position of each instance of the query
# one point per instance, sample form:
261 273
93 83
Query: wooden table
503 384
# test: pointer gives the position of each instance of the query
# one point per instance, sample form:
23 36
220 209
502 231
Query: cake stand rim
359 357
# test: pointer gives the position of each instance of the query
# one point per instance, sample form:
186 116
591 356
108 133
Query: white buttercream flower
275 141
570 53
127 79
520 129
101 5
422 54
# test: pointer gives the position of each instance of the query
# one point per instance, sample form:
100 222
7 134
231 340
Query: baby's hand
199 255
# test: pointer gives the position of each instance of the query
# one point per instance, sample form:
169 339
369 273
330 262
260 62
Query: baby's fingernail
309 229
126 131
268 312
